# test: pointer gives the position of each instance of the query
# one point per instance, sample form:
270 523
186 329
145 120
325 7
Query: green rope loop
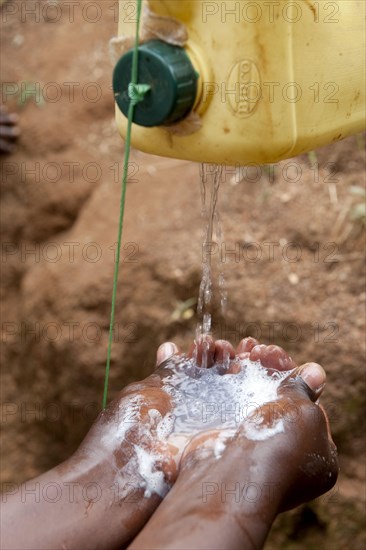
138 91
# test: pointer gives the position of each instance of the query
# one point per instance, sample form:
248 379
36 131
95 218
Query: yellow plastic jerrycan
235 82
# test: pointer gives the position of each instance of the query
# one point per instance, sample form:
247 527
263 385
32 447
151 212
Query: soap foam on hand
203 400
207 399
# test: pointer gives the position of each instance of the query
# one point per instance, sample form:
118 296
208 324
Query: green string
136 94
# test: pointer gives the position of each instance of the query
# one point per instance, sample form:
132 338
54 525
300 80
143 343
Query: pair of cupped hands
303 456
130 482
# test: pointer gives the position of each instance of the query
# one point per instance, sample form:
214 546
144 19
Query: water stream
210 184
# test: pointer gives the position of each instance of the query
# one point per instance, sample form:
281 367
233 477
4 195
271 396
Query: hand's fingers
314 376
10 132
246 345
307 380
223 350
165 351
8 118
272 357
6 146
203 351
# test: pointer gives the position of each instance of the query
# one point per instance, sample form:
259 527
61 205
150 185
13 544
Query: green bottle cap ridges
171 80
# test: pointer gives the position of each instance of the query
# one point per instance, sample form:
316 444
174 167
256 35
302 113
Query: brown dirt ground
55 305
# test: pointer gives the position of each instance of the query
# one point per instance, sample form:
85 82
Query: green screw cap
169 73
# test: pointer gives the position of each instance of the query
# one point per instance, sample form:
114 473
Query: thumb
307 381
165 351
